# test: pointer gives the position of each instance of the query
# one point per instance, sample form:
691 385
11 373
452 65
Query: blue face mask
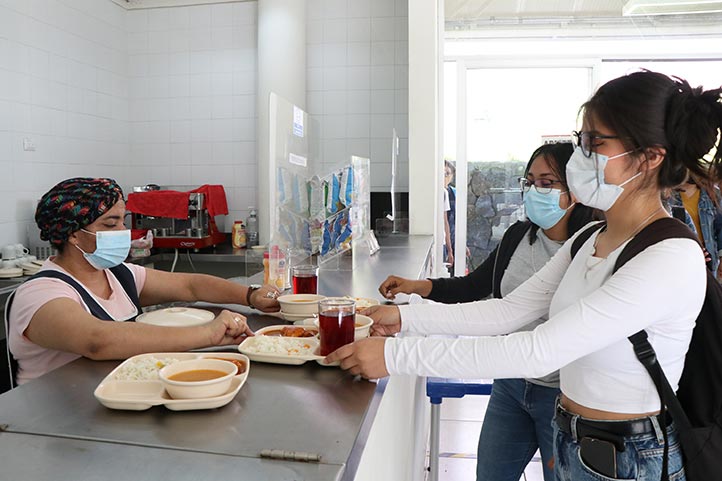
111 248
543 209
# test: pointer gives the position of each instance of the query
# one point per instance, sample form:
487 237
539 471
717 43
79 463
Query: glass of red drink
336 323
305 279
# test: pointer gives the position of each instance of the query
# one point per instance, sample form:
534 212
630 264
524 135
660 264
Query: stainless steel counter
54 422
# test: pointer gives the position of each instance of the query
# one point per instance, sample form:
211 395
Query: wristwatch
251 288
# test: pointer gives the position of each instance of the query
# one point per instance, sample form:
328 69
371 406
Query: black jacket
485 280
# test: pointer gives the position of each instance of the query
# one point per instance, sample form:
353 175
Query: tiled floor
460 425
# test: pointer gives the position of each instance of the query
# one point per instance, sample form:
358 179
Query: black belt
612 431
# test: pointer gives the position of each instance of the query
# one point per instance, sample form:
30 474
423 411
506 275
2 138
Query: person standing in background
701 200
450 208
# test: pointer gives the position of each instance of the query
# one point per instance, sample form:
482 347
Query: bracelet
251 290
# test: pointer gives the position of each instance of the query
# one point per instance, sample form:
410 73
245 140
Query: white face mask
585 177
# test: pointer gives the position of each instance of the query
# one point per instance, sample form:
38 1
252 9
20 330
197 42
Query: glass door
502 115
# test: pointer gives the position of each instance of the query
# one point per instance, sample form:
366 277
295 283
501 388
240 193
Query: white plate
176 317
10 272
294 317
363 302
142 395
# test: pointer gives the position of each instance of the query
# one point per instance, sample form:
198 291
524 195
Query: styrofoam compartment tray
248 348
142 395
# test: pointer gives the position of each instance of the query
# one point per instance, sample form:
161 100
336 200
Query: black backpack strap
507 245
12 362
657 231
584 236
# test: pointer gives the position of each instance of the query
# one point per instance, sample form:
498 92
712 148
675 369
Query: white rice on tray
283 346
145 369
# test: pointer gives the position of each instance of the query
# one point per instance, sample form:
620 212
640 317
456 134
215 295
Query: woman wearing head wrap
62 313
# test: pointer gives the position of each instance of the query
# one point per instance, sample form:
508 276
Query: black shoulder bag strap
662 229
507 245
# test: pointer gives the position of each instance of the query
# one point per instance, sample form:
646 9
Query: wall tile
383 8
359 102
359 30
359 8
245 13
178 18
334 78
359 54
382 53
222 107
334 54
243 106
383 29
222 15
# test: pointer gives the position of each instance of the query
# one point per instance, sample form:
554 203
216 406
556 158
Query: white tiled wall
192 99
168 95
163 96
357 81
63 86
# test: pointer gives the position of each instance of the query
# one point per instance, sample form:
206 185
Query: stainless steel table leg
434 442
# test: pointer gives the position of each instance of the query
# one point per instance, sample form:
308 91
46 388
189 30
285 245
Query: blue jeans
518 421
641 459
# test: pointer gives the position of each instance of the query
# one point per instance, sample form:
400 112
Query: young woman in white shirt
641 133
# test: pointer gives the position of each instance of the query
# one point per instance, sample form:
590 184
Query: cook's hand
228 328
398 285
364 357
265 299
387 320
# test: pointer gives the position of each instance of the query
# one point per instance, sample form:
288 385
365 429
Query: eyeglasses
586 141
543 186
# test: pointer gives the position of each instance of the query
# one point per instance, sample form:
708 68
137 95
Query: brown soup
197 375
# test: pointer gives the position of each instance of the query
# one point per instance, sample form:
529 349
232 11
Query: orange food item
295 331
240 365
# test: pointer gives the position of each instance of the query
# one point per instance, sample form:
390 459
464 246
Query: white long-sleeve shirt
591 314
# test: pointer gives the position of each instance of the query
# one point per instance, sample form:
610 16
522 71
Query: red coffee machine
178 220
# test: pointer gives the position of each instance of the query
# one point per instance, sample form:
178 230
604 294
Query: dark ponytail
651 110
693 123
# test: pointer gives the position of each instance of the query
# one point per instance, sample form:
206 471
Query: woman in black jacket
518 418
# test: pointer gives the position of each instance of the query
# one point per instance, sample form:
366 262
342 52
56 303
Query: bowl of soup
198 378
299 305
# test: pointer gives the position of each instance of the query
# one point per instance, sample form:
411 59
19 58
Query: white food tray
142 395
248 347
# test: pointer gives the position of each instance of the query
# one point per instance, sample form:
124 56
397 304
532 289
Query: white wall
357 81
192 112
63 84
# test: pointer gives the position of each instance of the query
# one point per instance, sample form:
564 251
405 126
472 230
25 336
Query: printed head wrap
72 205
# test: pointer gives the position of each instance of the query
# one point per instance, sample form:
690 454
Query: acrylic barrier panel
317 208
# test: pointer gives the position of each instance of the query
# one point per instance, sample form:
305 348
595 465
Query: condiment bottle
238 239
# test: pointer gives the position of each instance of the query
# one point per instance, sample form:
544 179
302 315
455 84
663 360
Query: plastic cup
305 279
336 323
